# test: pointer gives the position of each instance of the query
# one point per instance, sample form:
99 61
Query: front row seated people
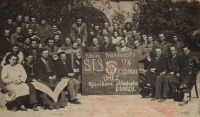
44 70
189 66
15 84
180 72
170 72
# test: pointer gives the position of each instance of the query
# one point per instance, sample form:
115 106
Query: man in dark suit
5 44
107 46
64 70
79 29
43 68
156 68
162 81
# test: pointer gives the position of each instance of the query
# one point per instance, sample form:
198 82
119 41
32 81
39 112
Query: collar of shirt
29 65
123 48
44 60
163 43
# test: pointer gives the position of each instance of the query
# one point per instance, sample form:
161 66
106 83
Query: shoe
183 103
162 100
75 101
23 108
51 107
35 108
15 108
149 96
154 99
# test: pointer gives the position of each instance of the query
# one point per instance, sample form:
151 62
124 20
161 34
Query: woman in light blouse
14 77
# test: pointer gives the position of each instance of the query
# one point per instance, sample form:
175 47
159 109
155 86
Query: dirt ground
114 106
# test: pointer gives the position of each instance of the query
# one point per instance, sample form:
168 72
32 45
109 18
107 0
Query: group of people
32 52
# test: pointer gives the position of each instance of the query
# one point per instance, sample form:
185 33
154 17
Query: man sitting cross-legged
64 70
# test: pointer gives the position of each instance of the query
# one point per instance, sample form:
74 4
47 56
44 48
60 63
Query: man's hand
149 58
34 80
171 73
153 70
83 44
50 77
178 75
54 77
91 33
162 73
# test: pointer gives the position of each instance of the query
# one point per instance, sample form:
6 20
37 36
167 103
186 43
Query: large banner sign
110 73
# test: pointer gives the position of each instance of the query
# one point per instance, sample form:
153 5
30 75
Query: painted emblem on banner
111 67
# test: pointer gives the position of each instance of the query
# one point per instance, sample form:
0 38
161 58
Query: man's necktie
47 65
157 57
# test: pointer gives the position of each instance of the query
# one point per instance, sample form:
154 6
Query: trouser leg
33 95
159 82
73 87
19 100
166 85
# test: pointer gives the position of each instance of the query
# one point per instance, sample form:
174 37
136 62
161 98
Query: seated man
28 66
123 47
162 81
43 67
64 70
156 67
188 68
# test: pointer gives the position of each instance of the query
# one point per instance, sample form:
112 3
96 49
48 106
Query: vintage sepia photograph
99 58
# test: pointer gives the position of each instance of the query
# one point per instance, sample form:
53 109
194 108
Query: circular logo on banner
111 67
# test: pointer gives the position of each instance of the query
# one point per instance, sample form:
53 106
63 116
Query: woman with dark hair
14 77
128 26
14 50
116 38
